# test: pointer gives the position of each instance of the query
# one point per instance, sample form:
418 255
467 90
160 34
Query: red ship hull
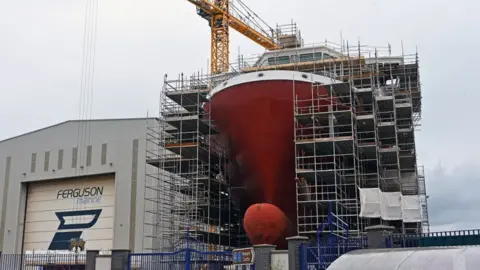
257 120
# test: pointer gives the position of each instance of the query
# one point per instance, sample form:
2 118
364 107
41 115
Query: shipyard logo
83 196
61 240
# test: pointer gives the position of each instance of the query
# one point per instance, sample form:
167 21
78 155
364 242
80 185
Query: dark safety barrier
42 261
434 239
333 240
180 260
321 255
329 247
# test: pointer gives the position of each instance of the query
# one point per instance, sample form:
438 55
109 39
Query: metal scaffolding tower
326 157
422 190
363 138
187 184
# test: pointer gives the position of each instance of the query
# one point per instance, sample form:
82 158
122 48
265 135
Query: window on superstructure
281 60
263 63
327 56
308 57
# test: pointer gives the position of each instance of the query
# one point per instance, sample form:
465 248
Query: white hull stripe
273 75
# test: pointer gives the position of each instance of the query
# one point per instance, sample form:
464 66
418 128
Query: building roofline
73 121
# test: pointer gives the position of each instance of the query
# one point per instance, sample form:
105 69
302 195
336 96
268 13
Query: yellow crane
222 15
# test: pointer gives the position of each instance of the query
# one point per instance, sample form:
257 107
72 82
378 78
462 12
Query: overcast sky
141 40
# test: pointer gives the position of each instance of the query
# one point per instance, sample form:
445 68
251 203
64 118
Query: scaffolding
187 184
326 156
360 136
422 190
356 132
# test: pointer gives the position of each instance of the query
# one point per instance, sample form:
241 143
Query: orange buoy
264 223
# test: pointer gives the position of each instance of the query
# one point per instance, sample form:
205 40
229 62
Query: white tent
436 258
375 203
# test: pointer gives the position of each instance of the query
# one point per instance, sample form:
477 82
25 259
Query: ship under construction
304 127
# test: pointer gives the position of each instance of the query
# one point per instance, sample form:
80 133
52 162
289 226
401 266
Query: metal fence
333 240
186 259
434 239
329 247
321 255
42 261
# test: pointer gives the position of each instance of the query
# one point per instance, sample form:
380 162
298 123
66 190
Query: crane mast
220 42
222 15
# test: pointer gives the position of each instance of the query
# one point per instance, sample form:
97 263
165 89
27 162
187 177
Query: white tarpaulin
391 205
451 258
411 208
370 199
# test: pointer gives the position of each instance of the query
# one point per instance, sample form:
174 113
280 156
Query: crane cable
86 89
253 17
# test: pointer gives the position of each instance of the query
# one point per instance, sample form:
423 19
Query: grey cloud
454 197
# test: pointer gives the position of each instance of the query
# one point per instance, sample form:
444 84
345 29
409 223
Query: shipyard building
76 179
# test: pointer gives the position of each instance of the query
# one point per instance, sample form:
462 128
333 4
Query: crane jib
219 38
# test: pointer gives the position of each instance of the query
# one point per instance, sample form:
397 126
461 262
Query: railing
385 117
449 238
329 246
183 111
375 54
195 82
329 251
185 137
193 138
366 138
318 193
404 124
309 163
42 261
315 132
403 101
185 258
363 111
321 163
406 151
321 105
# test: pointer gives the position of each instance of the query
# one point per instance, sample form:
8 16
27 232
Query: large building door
60 210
